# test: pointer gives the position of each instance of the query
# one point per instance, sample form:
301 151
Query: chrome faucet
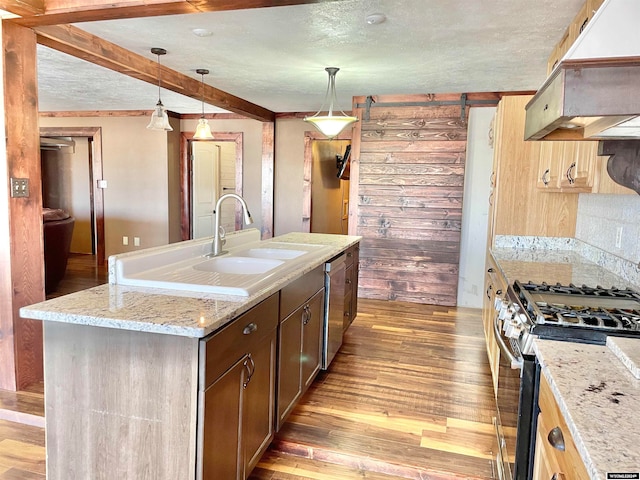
217 237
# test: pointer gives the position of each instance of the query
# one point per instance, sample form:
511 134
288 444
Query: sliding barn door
410 169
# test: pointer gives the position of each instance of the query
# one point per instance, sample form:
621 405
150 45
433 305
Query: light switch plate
19 187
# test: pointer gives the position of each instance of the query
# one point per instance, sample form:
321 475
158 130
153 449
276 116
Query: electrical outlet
19 187
125 240
619 237
136 241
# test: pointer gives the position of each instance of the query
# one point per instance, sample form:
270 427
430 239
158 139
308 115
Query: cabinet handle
349 254
306 316
250 365
558 476
348 281
499 292
489 291
490 270
545 177
584 24
569 175
556 439
347 314
249 329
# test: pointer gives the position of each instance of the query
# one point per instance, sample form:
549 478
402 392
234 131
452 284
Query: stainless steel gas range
559 312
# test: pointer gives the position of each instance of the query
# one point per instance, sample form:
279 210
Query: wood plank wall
409 188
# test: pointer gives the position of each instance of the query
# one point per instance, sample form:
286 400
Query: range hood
594 91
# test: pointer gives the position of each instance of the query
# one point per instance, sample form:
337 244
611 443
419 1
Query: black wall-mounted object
342 163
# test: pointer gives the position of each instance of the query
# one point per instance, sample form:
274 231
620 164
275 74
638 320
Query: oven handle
513 360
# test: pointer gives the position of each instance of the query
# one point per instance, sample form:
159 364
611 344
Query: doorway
329 194
321 186
72 180
209 169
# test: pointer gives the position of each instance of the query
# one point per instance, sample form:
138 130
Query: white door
205 187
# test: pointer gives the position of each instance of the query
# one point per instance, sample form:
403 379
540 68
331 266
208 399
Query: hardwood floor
82 273
409 395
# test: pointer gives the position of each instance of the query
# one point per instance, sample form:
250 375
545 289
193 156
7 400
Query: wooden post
21 244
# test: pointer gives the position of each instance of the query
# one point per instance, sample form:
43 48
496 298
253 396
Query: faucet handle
222 234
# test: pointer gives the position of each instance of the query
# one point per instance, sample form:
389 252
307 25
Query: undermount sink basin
238 265
276 253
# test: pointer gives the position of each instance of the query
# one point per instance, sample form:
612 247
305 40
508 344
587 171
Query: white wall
135 165
600 217
289 174
475 209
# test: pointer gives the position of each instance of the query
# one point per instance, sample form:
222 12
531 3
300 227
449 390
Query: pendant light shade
159 117
330 124
203 131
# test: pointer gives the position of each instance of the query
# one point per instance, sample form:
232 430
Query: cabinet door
289 358
348 296
549 165
544 464
578 166
258 401
221 441
355 272
311 357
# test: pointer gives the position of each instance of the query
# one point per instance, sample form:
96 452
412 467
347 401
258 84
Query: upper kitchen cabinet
569 167
572 32
517 205
591 92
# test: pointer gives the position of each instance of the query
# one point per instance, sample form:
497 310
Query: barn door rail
464 102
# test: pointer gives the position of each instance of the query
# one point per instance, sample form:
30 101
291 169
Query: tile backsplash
610 223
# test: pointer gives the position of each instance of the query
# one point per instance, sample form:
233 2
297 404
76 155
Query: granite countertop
595 386
553 260
169 311
599 398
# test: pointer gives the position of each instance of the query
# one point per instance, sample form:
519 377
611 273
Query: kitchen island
594 387
125 368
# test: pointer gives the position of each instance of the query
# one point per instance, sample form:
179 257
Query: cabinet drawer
300 290
221 350
568 462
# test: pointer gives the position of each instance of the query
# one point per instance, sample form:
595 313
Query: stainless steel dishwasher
334 278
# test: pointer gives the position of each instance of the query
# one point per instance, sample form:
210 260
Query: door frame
95 172
309 138
186 169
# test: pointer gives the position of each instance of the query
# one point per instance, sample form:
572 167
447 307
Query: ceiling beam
80 44
23 7
57 12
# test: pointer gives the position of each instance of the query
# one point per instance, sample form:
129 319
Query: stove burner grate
615 319
572 289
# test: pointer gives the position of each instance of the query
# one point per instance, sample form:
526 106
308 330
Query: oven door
515 400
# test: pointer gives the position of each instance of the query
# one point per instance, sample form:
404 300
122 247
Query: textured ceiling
275 57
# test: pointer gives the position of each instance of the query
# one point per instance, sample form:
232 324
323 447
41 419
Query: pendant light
330 124
203 131
159 117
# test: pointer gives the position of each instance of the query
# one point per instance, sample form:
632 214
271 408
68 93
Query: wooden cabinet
351 285
556 455
300 339
572 32
495 287
517 205
568 167
237 398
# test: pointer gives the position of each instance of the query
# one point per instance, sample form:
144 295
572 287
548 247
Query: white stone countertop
168 311
600 399
562 262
